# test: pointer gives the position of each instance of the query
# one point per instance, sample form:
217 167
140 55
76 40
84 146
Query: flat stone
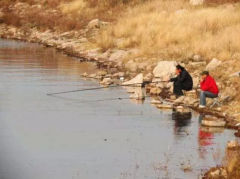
84 75
212 122
92 76
154 101
165 106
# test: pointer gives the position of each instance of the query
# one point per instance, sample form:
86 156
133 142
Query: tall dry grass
159 29
73 6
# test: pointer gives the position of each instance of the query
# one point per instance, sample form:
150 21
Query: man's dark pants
178 87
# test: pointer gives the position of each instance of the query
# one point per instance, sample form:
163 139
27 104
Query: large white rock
196 2
138 80
213 64
165 68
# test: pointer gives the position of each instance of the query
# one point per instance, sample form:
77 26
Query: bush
11 19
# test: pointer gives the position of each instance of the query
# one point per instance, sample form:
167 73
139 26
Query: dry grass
73 7
158 31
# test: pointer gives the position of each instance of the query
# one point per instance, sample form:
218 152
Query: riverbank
113 66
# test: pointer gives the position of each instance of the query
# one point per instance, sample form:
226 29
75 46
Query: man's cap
204 73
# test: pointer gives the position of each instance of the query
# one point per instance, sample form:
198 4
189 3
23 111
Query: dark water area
83 136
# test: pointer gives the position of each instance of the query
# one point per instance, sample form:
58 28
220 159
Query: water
78 136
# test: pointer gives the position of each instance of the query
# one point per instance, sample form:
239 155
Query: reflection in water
182 120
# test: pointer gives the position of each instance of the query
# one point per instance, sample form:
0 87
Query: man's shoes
201 106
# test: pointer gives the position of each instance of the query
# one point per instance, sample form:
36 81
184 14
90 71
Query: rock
168 85
196 82
132 66
154 101
186 100
113 70
217 173
196 2
213 64
165 68
236 74
115 75
197 58
155 91
101 73
107 81
118 55
179 101
84 75
191 93
138 80
214 130
149 75
232 145
213 122
103 56
143 65
92 76
160 85
138 94
196 64
165 106
95 23
108 76
182 109
121 74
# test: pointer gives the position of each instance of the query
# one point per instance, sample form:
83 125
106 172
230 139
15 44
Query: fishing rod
113 86
100 100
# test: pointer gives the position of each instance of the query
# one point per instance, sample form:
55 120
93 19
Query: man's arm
173 79
182 77
205 85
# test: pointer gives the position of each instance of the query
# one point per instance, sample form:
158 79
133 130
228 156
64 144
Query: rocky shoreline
112 67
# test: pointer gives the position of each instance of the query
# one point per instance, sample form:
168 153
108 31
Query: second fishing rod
110 86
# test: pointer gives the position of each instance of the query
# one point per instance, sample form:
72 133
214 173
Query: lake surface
90 135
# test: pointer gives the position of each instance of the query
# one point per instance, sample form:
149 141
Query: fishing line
113 86
108 99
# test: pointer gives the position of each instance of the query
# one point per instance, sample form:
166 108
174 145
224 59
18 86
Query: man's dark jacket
185 79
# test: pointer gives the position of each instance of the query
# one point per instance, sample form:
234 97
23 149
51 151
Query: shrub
11 19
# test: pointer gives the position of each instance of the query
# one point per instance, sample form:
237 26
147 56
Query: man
209 88
183 81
